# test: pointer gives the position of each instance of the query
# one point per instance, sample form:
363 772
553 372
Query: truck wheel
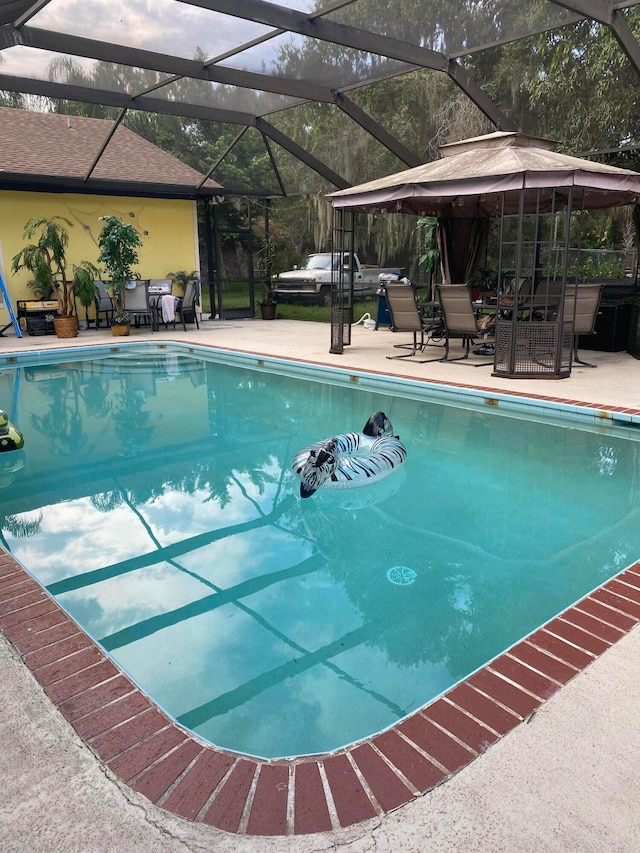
324 298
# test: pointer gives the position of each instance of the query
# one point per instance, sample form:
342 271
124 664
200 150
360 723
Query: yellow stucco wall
169 244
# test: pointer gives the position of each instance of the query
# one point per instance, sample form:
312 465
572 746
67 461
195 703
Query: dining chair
519 297
185 307
406 316
103 304
581 304
136 303
460 320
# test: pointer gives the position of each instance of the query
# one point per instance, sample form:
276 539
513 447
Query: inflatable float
10 437
10 464
350 460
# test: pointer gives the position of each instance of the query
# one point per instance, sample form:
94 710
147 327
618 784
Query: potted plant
46 260
485 282
269 263
428 226
179 279
118 244
268 305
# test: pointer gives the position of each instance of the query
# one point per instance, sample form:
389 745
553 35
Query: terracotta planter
268 310
120 329
66 327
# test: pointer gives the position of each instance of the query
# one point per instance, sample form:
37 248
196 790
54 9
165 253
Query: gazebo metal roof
243 62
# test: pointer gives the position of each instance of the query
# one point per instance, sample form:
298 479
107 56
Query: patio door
234 249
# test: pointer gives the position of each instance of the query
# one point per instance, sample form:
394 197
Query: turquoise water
156 504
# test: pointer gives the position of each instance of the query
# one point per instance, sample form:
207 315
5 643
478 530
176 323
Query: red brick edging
180 773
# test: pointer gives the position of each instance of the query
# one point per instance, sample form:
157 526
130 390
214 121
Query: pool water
157 505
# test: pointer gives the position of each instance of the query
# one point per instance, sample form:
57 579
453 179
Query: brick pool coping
178 772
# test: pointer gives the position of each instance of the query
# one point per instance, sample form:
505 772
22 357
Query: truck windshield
316 262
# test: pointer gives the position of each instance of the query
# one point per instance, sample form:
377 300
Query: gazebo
497 176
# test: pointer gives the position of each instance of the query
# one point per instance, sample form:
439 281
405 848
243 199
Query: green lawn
237 296
322 313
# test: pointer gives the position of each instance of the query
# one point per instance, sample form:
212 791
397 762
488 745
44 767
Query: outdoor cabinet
612 329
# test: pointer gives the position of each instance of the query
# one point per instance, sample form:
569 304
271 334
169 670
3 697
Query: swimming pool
158 508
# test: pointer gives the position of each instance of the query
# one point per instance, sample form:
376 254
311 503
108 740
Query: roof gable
48 150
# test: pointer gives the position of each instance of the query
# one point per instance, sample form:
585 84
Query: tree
573 84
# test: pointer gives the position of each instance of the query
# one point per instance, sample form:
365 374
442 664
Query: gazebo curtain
461 243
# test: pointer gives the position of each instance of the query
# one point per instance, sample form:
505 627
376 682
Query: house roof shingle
50 151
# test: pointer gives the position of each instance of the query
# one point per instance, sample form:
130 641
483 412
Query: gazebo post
342 243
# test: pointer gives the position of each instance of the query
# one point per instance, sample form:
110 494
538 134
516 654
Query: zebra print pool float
352 459
10 437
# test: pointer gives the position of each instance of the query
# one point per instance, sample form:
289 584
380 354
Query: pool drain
401 575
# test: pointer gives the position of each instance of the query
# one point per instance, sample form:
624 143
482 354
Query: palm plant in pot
270 264
180 279
118 244
45 258
428 226
268 304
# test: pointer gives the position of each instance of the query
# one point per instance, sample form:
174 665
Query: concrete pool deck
567 780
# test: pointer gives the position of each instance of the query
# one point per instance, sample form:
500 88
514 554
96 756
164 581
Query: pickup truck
310 283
